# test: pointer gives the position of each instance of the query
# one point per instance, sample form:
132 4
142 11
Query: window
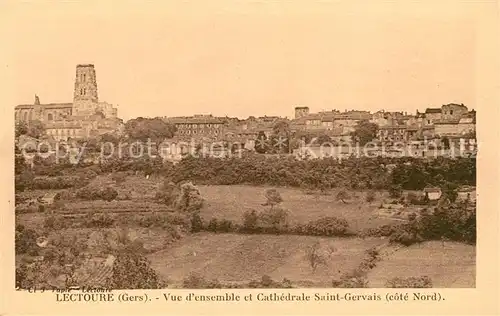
428 121
50 117
451 112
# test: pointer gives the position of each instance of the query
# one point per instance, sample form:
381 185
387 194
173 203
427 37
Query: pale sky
241 58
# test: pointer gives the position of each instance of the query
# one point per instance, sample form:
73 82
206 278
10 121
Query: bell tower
85 95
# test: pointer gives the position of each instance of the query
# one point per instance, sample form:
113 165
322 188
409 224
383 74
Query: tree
21 128
154 129
261 143
365 132
189 198
281 127
342 196
323 139
315 257
196 222
250 219
273 197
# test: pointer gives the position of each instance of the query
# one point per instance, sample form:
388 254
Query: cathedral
85 117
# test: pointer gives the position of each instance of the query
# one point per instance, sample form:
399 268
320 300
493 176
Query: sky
242 58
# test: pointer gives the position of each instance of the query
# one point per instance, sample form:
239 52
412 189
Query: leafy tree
323 139
261 143
196 222
250 219
365 132
154 129
342 196
21 128
273 197
370 196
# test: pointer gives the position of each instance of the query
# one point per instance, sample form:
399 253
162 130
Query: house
433 193
466 193
50 198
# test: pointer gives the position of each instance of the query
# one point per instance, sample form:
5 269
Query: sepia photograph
248 145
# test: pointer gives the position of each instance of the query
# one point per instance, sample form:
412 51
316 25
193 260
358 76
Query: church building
85 117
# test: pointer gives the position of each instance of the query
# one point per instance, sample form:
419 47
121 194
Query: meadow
239 258
234 258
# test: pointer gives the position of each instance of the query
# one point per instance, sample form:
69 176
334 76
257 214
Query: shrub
342 195
267 282
92 193
406 235
326 226
189 198
101 220
250 219
225 226
197 281
409 282
370 196
381 231
273 220
167 193
273 197
108 194
395 191
212 225
133 271
25 241
196 222
54 222
119 177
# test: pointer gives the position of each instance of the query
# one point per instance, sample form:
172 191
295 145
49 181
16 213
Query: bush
54 222
197 281
410 282
212 225
101 220
267 282
133 271
326 226
395 191
273 220
250 219
189 198
119 177
108 194
406 235
354 282
92 193
370 196
59 182
25 241
196 223
381 231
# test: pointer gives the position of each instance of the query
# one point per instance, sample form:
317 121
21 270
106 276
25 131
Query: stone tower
85 95
301 111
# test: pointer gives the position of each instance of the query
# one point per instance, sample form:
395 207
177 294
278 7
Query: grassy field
231 202
450 266
233 258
